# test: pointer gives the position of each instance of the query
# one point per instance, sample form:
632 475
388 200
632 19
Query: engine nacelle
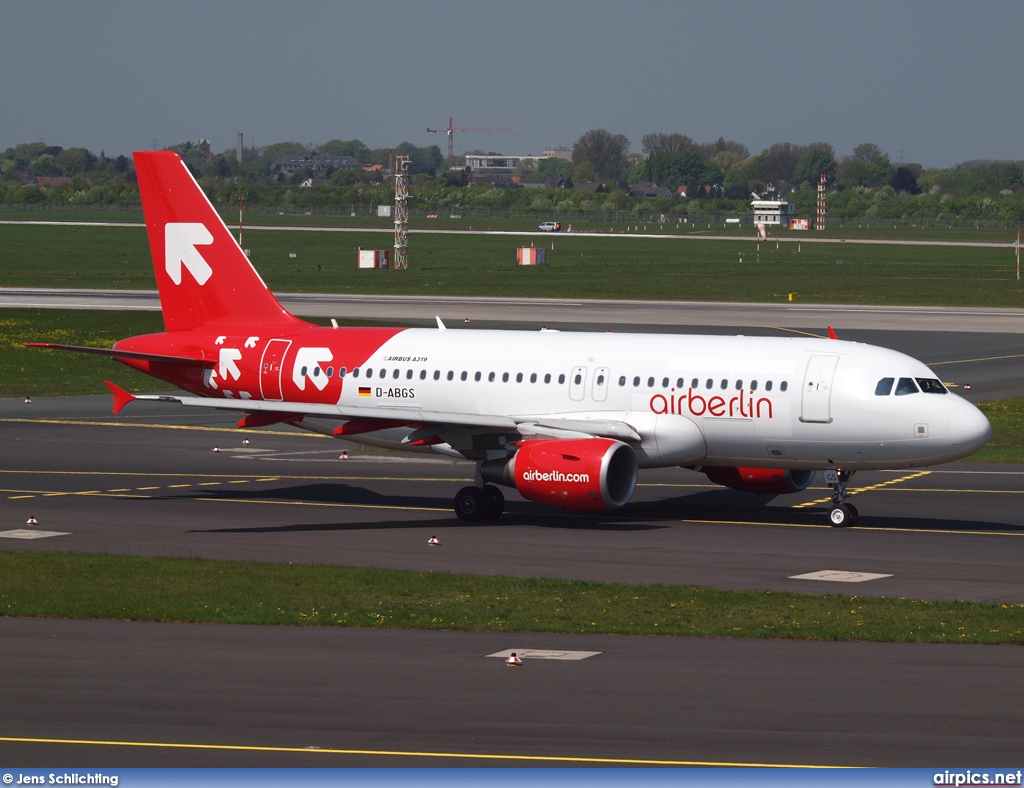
585 474
773 481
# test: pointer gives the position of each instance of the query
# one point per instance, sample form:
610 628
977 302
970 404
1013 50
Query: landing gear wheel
854 514
495 502
471 503
840 515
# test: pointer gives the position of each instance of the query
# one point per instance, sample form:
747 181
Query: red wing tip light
28 400
831 333
513 660
31 521
433 541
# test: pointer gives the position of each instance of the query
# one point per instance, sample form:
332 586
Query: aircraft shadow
725 506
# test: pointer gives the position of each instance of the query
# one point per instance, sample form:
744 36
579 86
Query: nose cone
969 430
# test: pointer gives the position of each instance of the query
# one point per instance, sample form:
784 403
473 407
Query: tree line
717 177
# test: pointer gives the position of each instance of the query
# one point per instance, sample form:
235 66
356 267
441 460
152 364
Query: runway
149 483
597 315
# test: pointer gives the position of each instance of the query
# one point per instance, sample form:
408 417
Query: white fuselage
693 400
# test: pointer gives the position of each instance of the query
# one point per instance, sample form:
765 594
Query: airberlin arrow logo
180 242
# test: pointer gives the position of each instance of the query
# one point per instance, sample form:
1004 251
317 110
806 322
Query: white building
773 211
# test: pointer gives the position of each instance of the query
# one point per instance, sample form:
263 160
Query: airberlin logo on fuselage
743 405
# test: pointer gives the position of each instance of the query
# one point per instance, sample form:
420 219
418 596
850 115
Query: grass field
579 266
174 589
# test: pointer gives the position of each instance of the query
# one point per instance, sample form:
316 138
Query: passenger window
464 375
303 371
423 374
906 386
476 377
490 377
519 377
768 386
561 379
437 374
884 387
382 374
451 375
679 383
710 383
931 386
369 372
504 377
739 385
783 386
330 372
533 377
650 383
664 383
600 379
622 380
547 378
753 385
342 372
725 383
636 382
578 379
694 383
355 372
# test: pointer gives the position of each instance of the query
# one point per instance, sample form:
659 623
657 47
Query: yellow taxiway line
412 753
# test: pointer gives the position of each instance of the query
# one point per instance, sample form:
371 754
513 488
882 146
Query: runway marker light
216 448
28 400
343 456
245 441
433 541
31 521
513 660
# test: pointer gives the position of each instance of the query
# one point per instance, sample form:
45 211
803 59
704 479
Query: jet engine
585 474
773 481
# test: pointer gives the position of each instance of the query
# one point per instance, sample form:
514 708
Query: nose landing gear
840 514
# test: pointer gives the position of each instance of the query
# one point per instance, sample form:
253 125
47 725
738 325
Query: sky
929 81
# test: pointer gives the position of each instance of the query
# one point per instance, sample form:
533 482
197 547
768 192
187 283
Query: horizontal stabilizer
114 353
121 397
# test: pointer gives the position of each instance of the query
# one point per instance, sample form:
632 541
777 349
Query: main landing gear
479 503
840 514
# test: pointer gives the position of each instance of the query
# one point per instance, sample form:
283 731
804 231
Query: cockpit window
884 387
906 386
931 386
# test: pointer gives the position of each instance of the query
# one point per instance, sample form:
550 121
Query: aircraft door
270 368
816 402
577 383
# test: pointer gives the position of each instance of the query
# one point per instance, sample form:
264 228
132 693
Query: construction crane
450 131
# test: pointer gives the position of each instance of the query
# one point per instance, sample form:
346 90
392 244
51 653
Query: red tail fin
202 274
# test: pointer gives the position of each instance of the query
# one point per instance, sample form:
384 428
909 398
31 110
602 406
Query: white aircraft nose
969 430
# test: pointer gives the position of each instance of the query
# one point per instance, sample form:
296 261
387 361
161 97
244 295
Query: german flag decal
364 391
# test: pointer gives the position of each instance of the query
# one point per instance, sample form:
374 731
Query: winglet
121 397
441 326
831 333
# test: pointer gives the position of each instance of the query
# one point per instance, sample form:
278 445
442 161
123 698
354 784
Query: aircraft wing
527 425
